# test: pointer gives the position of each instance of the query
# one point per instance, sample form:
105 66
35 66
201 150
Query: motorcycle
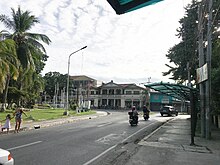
146 115
133 119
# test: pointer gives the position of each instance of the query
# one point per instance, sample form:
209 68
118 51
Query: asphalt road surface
95 141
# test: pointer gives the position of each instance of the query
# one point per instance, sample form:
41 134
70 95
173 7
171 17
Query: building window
104 91
92 92
111 91
136 92
128 92
118 91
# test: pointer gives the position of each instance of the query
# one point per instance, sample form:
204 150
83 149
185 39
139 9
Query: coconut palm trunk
5 94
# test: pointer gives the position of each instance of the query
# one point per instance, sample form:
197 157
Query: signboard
165 101
202 73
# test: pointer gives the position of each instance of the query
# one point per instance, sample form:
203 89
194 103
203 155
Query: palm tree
8 66
29 49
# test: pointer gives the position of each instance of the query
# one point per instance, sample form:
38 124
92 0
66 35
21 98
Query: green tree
51 80
9 67
186 50
30 52
215 76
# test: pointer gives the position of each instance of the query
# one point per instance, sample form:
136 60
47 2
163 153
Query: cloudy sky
128 48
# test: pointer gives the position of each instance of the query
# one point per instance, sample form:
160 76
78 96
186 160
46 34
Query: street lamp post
67 86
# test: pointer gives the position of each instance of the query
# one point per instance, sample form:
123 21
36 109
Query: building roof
112 84
81 78
124 6
178 91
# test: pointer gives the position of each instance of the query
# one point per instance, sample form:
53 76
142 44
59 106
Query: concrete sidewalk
170 145
46 123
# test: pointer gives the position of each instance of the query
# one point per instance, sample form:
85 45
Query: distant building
158 100
118 96
109 95
82 81
88 92
80 88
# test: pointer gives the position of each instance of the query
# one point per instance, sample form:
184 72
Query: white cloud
123 48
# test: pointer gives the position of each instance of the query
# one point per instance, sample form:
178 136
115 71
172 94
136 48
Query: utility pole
201 63
192 105
208 60
68 79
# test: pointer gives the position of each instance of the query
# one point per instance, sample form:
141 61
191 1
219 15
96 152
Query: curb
50 123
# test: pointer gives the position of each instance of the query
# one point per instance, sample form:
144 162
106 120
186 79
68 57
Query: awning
178 91
124 6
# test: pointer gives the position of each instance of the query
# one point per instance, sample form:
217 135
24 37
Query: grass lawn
43 114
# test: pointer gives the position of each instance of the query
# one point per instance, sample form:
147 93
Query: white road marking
137 132
102 125
111 137
25 145
92 160
109 149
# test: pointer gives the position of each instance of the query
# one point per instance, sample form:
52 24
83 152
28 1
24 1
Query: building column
123 103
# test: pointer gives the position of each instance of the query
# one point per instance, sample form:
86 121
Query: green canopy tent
124 6
180 91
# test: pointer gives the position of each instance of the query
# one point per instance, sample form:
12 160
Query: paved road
82 142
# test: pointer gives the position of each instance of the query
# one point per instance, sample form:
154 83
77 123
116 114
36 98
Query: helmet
133 107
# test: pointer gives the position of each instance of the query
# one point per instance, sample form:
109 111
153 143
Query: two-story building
113 95
84 89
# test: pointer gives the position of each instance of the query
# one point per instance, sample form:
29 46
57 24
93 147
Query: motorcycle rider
135 112
146 110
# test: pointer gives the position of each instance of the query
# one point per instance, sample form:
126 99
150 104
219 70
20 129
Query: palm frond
34 44
6 21
23 21
39 37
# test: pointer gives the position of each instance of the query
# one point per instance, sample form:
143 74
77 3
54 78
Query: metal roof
178 91
124 6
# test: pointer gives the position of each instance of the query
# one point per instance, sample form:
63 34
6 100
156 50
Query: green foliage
8 62
43 114
73 105
14 95
30 53
216 90
52 79
187 49
215 77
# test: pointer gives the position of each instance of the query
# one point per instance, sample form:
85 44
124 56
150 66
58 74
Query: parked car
5 157
168 110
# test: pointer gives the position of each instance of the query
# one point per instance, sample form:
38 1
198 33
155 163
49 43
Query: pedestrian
18 118
7 123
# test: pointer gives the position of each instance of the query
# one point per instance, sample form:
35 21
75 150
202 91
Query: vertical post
192 111
201 63
68 79
191 105
189 75
45 97
208 60
67 87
